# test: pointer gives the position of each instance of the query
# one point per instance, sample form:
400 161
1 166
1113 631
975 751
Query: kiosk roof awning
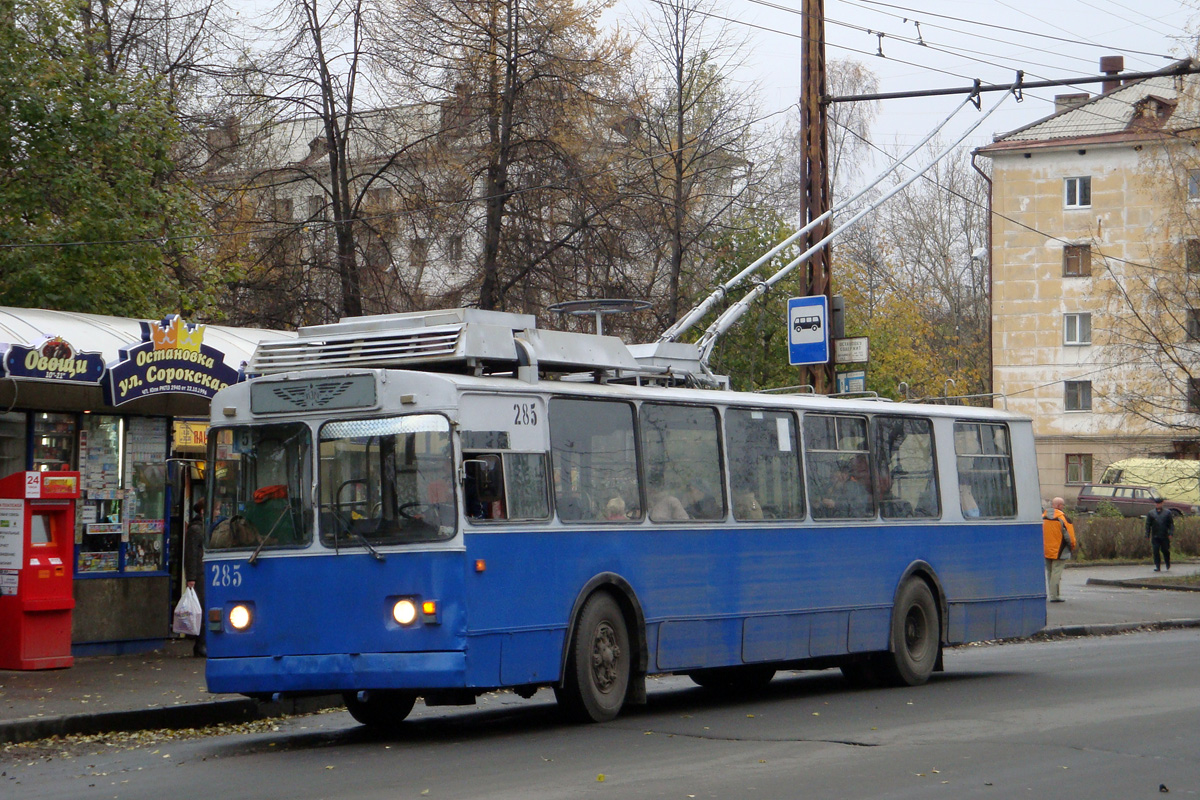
114 340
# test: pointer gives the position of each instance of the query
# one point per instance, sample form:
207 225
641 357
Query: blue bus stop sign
808 330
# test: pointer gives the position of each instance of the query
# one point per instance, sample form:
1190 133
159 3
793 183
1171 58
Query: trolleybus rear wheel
597 673
380 709
916 635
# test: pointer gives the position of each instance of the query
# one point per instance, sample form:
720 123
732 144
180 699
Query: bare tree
529 97
694 150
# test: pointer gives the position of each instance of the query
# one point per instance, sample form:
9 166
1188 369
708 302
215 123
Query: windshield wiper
263 541
356 534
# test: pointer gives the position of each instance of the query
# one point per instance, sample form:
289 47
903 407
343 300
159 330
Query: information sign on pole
852 381
808 330
850 351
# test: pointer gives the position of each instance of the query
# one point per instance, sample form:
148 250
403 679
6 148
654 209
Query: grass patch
1175 580
1124 540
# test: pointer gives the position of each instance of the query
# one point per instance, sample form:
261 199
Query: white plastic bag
188 614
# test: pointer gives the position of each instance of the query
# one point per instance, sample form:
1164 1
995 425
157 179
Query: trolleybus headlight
405 611
239 617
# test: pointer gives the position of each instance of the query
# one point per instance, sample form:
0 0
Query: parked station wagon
1131 501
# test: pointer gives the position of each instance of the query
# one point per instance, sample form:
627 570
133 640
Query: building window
1193 395
1194 184
1077 260
418 252
1077 329
454 247
1191 255
1077 192
1079 468
281 209
1193 324
316 207
1079 395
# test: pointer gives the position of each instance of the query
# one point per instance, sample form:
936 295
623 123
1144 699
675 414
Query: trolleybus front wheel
916 635
380 709
597 672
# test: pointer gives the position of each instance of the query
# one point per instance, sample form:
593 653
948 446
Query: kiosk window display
53 442
124 478
12 442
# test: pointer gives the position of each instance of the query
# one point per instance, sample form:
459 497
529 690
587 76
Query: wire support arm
731 315
686 322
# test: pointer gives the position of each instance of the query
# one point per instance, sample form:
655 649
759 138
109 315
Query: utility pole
815 200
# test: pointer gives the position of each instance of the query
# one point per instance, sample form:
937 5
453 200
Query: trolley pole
815 195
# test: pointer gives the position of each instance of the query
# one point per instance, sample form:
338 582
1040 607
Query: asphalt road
1095 717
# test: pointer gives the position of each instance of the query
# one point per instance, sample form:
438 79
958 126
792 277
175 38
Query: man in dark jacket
1160 525
193 567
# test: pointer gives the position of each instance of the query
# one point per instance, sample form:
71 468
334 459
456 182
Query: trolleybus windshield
261 486
386 481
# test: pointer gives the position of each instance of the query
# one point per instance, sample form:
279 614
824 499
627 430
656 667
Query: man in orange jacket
1058 539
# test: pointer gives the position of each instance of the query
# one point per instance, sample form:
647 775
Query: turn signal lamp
429 612
239 617
405 611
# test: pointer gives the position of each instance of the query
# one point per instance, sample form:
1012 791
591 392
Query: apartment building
1095 257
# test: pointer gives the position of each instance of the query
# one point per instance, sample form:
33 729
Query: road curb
193 715
1117 627
1141 585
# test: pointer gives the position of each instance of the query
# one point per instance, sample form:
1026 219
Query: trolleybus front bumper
336 672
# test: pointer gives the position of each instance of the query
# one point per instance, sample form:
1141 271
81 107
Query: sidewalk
165 689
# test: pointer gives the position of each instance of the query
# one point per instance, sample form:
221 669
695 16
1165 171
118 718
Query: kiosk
37 537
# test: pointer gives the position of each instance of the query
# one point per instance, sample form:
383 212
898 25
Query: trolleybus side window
985 470
905 477
500 486
386 481
839 467
764 464
682 453
261 486
594 459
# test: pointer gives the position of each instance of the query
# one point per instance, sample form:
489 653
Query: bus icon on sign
807 323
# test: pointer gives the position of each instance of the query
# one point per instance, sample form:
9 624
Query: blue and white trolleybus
434 505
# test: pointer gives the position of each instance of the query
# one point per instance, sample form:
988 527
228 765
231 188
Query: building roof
1137 110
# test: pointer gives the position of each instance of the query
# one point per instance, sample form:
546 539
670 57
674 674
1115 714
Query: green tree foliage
87 200
754 353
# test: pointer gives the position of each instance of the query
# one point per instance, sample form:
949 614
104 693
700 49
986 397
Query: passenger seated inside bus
701 504
614 510
970 508
746 505
665 507
848 496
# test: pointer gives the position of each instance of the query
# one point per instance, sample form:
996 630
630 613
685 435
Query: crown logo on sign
174 334
165 334
189 337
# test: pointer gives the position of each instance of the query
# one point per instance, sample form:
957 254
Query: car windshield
386 481
260 487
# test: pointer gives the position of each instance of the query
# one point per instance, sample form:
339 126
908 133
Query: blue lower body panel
337 672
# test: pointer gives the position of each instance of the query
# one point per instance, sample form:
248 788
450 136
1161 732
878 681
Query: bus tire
916 635
380 709
598 663
744 678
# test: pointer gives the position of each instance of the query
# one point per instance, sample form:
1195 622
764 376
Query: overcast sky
963 40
